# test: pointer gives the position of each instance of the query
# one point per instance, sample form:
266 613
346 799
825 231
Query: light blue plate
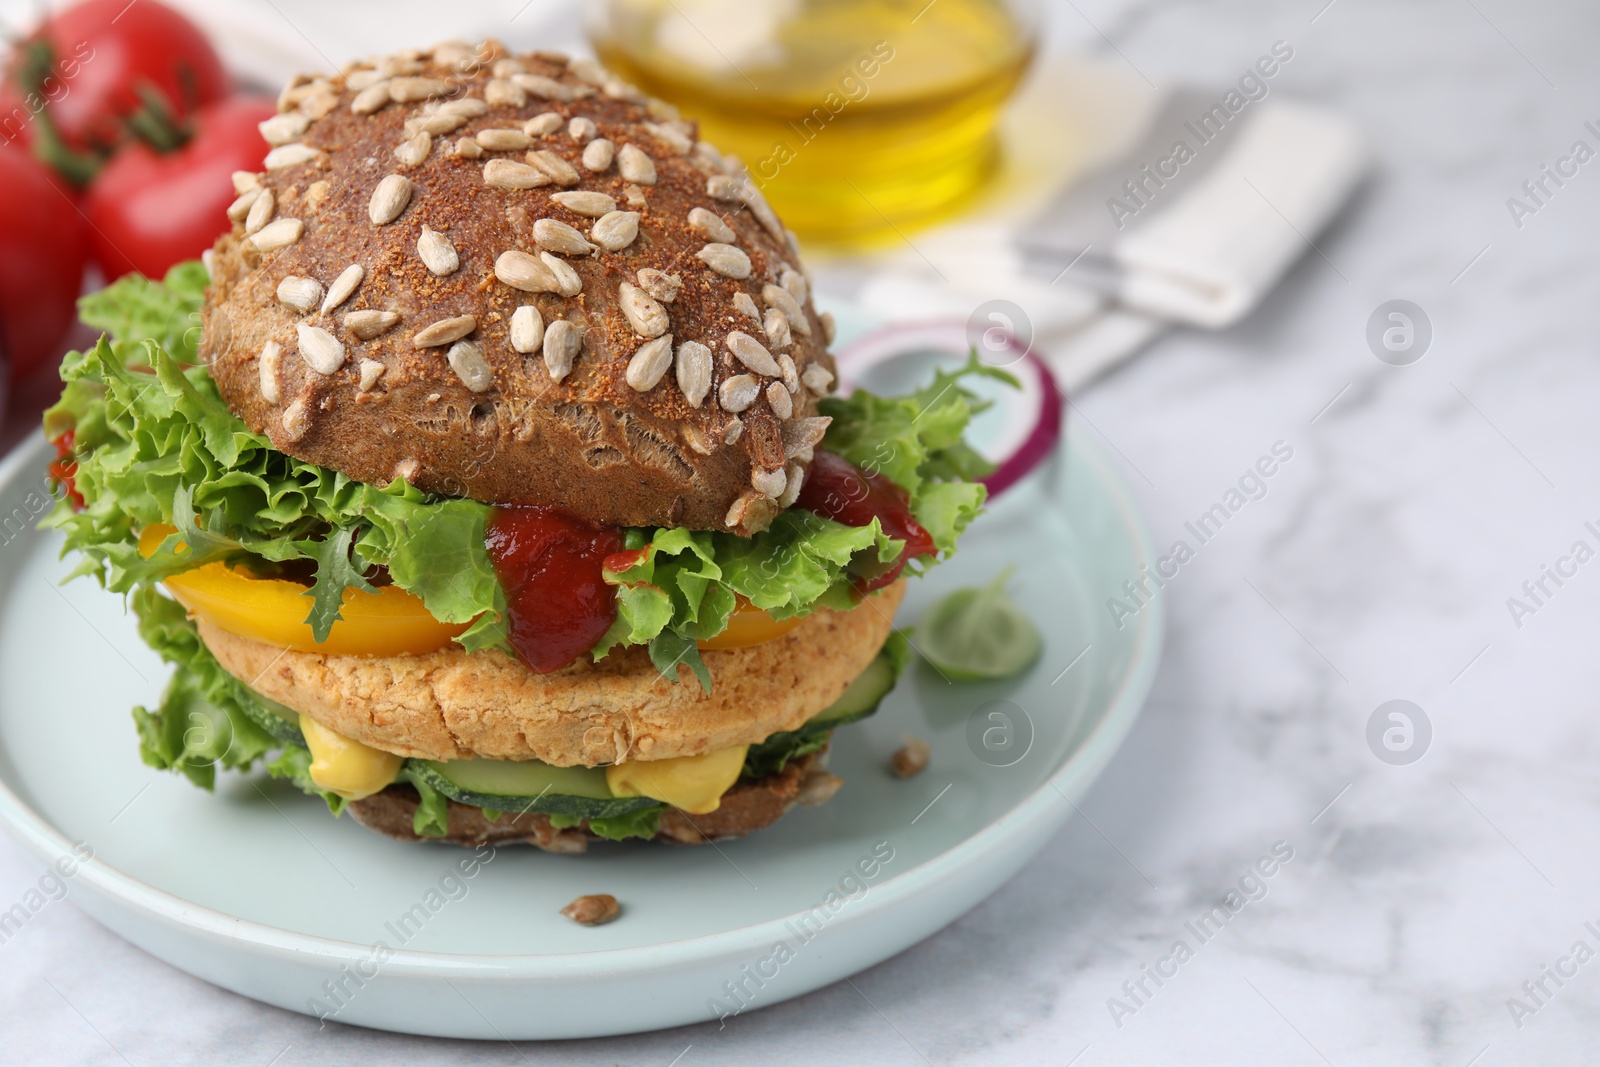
257 889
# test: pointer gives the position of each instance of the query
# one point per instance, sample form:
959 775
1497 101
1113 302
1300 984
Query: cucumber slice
518 786
861 698
277 720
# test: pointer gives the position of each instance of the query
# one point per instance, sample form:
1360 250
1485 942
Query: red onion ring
1034 436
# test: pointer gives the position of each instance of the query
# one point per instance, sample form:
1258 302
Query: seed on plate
643 312
301 294
414 149
795 282
277 234
738 392
245 180
710 225
775 324
467 148
567 281
541 86
830 328
635 166
296 420
778 297
752 354
583 130
779 400
281 129
437 253
560 171
732 433
593 909
445 331
521 271
817 378
527 329
817 787
659 284
556 236
722 187
503 92
597 154
542 125
371 99
694 372
561 344
411 90
261 212
726 260
768 483
670 136
290 155
323 352
591 204
389 199
791 377
371 371
649 364
367 324
911 757
615 230
803 433
504 140
466 359
269 364
239 210
509 174
746 306
435 124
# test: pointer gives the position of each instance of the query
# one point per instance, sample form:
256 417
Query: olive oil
857 118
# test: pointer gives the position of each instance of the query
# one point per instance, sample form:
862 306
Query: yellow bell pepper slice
749 625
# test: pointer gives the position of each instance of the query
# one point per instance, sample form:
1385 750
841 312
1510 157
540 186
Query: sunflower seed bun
516 279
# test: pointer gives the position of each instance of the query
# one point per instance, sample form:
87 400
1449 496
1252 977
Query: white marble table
1419 898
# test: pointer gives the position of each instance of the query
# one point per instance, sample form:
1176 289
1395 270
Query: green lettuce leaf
644 823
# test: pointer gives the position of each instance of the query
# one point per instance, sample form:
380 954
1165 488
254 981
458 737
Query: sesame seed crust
591 440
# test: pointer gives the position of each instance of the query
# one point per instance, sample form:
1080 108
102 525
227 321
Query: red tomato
150 211
86 66
42 250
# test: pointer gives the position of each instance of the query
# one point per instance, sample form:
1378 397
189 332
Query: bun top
517 279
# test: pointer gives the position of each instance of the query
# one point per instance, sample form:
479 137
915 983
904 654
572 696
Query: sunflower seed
542 125
322 352
635 166
269 363
290 155
592 909
732 432
911 758
504 68
722 187
593 205
795 475
277 234
779 400
444 331
467 148
208 260
317 105
504 140
830 329
296 420
617 89
466 359
509 174
369 324
452 53
647 317
358 80
615 230
727 260
671 136
803 433
659 284
260 212
697 441
817 378
561 344
752 354
301 294
707 153
371 371
281 129
746 306
389 199
567 281
694 372
779 298
738 392
468 107
522 271
768 483
527 329
597 154
649 364
548 88
239 210
559 237
245 180
795 282
371 99
560 171
437 253
775 324
317 195
296 88
583 130
436 124
588 70
410 90
710 225
412 151
503 92
791 377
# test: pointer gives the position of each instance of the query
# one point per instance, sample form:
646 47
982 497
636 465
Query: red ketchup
548 563
64 467
837 490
